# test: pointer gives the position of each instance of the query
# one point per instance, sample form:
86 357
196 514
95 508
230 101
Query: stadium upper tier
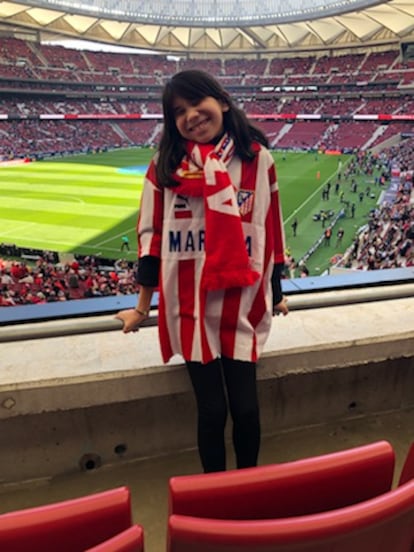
298 102
36 65
23 60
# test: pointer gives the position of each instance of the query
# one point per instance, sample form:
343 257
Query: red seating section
407 472
69 526
130 540
294 488
381 524
337 502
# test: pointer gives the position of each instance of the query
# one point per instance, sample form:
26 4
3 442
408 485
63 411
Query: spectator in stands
5 278
205 135
6 299
73 280
292 267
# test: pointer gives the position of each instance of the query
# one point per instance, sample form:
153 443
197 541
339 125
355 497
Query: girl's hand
281 307
131 320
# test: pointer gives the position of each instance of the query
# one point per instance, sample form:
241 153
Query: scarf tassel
234 278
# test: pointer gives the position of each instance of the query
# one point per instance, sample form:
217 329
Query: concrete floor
148 479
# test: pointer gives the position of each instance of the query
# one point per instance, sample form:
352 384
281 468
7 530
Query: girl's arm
132 318
147 278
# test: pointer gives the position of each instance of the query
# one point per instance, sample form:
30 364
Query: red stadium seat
382 524
295 488
407 472
68 526
130 540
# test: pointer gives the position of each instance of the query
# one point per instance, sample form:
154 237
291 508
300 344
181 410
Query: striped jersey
201 325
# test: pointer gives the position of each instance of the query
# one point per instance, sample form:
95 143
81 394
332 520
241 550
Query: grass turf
84 204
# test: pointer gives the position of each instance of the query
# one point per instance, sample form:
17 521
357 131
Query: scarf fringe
213 281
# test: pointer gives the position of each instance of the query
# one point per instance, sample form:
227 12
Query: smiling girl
210 236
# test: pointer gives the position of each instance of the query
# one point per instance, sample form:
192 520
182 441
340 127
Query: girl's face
199 120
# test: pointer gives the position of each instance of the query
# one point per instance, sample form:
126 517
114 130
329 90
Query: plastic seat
407 472
130 540
382 524
293 488
68 526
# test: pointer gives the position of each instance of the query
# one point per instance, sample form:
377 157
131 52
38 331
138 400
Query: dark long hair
196 85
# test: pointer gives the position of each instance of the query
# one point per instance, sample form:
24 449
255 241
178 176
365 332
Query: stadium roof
216 26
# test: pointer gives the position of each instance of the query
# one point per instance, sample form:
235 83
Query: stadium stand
387 240
46 281
370 84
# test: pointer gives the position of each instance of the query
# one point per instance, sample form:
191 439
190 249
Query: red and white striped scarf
203 173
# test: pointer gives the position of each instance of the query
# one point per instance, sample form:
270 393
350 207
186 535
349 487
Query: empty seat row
333 502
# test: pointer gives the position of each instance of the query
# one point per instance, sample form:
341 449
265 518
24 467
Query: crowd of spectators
55 63
45 281
108 85
36 139
387 241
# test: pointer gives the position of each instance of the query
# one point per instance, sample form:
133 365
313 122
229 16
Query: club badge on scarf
203 172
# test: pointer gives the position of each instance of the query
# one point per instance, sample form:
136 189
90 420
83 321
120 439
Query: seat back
382 524
130 540
290 489
68 526
407 472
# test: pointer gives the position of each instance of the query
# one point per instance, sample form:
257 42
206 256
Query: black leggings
210 382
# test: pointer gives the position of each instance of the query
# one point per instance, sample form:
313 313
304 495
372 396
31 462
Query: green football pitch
84 204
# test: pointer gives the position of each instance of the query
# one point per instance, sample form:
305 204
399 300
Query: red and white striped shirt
202 325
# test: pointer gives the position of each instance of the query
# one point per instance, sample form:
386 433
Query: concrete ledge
107 395
82 391
65 373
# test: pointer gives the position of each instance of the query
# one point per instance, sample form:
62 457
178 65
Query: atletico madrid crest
245 201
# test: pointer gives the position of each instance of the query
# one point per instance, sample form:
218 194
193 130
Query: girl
210 236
